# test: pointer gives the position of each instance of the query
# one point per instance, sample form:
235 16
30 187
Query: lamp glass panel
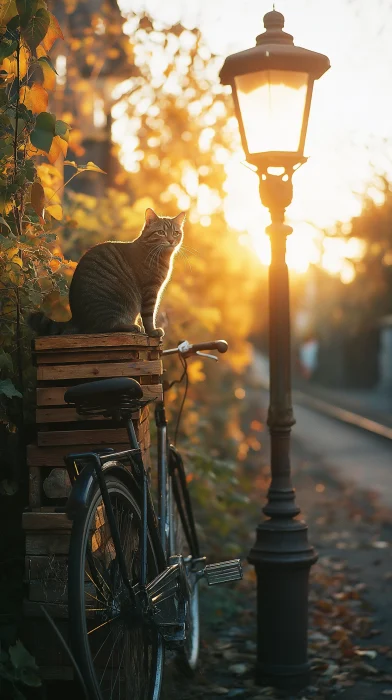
272 107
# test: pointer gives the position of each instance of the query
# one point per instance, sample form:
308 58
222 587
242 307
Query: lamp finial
274 34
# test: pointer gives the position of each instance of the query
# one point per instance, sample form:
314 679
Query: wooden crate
64 361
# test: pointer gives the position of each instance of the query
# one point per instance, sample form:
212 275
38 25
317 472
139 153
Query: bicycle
133 575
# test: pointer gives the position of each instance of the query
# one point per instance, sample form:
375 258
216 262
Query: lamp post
272 87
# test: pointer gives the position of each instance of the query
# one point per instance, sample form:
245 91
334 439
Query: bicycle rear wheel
119 655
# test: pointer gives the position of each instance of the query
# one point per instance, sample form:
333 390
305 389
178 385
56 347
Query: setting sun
339 164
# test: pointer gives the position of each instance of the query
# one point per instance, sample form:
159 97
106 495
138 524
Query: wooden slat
62 415
101 340
33 609
35 486
82 437
45 521
47 543
67 415
41 566
57 673
96 371
48 591
54 396
51 396
54 456
108 355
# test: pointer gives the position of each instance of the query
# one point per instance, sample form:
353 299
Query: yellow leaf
58 148
54 32
94 168
7 11
34 98
9 65
40 51
54 265
56 211
49 176
24 57
11 252
51 196
17 260
49 75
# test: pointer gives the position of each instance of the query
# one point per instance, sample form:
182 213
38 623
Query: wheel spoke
120 660
107 622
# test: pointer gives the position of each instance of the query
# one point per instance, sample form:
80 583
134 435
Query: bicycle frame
96 464
175 569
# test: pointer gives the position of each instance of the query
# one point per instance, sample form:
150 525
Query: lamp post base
282 558
292 680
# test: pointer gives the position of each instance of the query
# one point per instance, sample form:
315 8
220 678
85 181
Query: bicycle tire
135 652
181 543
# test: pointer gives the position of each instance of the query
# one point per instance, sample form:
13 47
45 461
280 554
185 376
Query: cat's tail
43 325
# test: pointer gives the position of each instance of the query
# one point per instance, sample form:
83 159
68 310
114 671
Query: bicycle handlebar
186 349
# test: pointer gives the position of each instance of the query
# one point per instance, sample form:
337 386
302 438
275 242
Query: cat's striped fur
116 285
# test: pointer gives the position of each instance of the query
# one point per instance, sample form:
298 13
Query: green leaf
35 30
20 657
13 24
44 131
26 8
9 390
62 130
30 677
48 61
8 242
7 48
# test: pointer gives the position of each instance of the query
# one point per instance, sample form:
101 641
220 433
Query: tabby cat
117 286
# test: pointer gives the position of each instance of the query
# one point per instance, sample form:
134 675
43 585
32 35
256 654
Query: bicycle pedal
222 572
173 631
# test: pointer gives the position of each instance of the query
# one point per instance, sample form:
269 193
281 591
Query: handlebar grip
219 345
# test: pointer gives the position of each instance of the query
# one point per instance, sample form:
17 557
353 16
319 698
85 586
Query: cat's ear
180 218
150 216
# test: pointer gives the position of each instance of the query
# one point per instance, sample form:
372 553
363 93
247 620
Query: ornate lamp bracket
276 190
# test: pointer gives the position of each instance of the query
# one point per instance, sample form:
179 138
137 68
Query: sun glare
323 187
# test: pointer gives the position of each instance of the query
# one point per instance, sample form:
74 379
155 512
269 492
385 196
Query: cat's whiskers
155 255
190 250
151 254
186 256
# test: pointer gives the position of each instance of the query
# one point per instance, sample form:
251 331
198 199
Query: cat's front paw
157 333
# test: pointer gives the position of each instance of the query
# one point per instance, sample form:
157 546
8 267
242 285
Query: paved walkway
371 409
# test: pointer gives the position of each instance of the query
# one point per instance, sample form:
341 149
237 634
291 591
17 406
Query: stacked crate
64 361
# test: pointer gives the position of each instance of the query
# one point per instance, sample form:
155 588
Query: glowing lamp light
272 86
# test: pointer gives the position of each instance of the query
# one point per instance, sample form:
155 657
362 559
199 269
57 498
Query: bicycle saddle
106 395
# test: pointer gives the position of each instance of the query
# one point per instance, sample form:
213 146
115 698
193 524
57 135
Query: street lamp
272 87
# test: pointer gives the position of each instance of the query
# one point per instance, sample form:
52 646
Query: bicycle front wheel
181 543
120 655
